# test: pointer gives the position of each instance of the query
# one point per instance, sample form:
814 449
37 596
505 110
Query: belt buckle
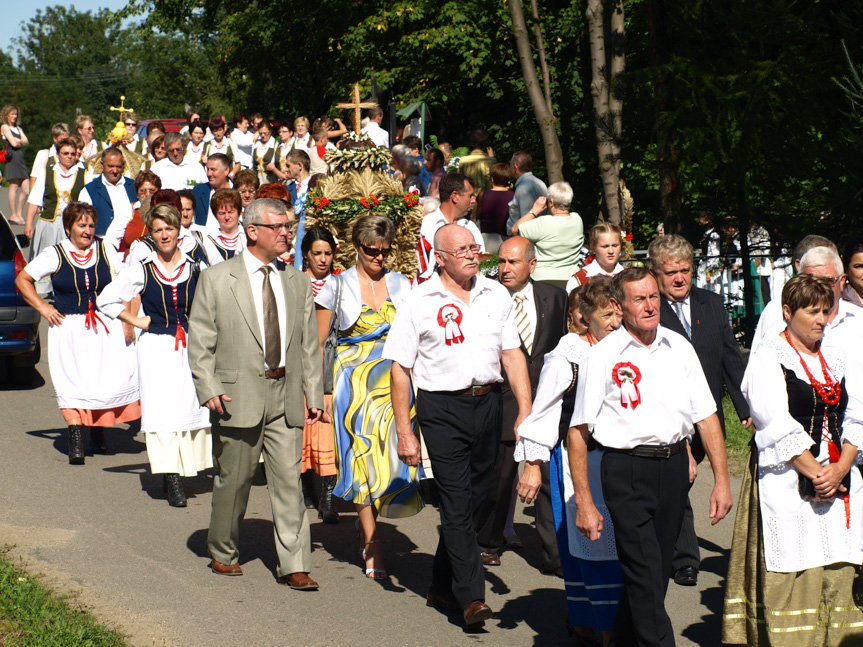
474 390
666 451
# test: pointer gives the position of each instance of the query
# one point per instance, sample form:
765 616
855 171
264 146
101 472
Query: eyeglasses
374 252
461 253
131 123
90 128
833 280
287 227
175 150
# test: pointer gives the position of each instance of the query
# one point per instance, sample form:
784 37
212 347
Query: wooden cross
357 107
122 110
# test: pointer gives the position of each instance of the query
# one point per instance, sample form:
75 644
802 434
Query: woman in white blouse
606 241
798 535
592 574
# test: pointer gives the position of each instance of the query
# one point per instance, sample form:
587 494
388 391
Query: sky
14 12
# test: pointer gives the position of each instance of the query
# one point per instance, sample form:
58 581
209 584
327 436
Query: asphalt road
105 531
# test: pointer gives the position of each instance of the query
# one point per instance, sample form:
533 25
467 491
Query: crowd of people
183 286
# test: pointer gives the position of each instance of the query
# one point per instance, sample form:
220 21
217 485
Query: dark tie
272 336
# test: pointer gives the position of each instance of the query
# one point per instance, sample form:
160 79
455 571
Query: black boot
308 481
174 487
327 511
97 441
76 445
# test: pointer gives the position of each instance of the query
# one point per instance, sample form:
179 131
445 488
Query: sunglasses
373 252
131 123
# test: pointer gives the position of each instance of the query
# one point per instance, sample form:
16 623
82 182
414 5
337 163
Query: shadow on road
549 626
5 384
119 440
710 626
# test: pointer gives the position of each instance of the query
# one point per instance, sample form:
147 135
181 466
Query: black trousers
461 434
496 509
646 498
686 551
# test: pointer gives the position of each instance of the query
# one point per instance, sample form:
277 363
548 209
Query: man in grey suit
253 349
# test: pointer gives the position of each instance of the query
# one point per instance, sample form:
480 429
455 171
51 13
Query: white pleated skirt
92 369
177 428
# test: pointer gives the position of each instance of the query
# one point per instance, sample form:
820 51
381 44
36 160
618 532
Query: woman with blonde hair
14 140
606 240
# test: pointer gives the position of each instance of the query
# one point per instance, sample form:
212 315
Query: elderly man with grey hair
558 237
700 316
248 312
175 171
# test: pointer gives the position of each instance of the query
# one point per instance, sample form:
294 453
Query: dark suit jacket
551 306
202 203
717 351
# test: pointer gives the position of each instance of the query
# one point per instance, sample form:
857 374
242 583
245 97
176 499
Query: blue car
19 323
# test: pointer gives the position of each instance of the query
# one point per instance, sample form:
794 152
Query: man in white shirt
641 390
452 334
243 140
373 129
113 195
457 199
218 177
175 171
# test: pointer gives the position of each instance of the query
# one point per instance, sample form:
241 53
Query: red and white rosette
449 318
627 376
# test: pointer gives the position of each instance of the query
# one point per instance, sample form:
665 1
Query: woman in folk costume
144 247
53 191
265 154
176 427
593 577
798 534
371 475
94 372
319 250
220 143
605 246
195 147
230 239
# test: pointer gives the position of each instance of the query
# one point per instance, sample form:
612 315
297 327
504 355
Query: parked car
19 323
171 125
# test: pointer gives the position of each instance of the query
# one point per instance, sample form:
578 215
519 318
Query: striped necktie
678 306
522 322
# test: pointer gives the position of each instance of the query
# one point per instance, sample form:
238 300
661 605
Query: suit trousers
646 498
496 508
461 434
686 551
236 452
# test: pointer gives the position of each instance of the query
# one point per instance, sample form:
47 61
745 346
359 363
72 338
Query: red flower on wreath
369 202
321 202
411 199
629 236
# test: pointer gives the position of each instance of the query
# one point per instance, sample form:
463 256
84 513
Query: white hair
560 193
819 256
430 204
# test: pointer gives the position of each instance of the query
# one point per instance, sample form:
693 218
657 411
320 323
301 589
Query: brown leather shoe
477 612
299 582
225 569
443 602
490 559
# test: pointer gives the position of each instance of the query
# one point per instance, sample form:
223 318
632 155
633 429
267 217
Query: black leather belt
275 374
650 451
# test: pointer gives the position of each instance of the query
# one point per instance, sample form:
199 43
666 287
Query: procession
222 302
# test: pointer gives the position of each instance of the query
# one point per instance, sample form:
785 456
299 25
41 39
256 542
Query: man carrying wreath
640 393
453 333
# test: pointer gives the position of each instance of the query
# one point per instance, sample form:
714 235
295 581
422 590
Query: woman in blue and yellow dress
371 475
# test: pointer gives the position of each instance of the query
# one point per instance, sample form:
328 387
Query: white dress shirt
253 267
378 135
478 332
672 391
123 209
242 147
185 175
685 308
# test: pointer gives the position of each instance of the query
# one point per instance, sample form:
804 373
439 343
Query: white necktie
522 322
678 306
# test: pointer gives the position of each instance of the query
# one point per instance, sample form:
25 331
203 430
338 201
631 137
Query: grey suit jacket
226 352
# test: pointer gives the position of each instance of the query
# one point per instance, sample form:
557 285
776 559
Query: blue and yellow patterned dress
370 471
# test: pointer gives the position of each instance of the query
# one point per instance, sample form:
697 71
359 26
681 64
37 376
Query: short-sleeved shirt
451 345
428 228
670 391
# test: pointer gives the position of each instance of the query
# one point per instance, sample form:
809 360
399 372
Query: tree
607 65
541 101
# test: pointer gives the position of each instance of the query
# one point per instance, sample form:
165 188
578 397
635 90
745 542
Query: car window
8 246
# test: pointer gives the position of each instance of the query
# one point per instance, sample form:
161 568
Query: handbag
332 339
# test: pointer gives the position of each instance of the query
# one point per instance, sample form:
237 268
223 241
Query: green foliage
31 614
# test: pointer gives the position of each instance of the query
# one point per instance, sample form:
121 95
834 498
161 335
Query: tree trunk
603 118
666 130
544 116
540 48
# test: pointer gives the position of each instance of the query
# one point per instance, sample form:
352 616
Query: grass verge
33 615
736 439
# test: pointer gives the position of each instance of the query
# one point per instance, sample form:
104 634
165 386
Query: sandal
371 573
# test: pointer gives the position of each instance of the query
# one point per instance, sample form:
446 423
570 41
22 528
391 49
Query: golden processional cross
356 106
122 110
